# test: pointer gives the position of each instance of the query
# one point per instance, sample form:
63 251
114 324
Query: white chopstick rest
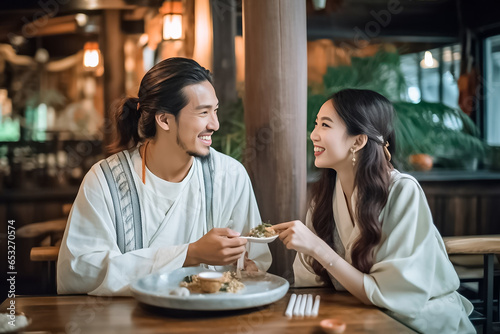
302 306
315 309
291 303
309 305
296 309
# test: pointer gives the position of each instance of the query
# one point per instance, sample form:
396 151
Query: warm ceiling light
172 26
91 54
81 19
172 20
143 40
428 61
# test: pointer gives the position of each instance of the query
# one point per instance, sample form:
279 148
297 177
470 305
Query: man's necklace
144 162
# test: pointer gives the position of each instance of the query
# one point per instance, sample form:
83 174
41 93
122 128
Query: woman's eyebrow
324 118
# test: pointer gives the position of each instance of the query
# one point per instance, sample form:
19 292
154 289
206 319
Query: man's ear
163 121
360 141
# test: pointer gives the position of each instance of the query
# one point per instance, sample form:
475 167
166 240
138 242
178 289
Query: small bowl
333 326
210 281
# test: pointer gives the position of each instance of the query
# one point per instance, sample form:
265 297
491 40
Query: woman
369 229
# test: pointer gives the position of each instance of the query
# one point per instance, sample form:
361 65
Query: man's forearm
191 258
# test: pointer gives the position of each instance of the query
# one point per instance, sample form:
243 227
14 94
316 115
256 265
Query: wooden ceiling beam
47 25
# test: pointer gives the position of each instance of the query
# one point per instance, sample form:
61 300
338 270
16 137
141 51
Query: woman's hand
296 235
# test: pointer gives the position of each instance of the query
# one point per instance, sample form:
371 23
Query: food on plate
206 283
181 292
264 230
210 281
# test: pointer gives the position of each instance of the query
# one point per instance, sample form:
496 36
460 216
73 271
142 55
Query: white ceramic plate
155 289
261 240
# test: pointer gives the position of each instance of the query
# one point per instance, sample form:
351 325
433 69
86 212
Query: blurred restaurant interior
64 65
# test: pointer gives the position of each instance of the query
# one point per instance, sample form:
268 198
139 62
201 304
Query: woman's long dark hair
161 91
363 112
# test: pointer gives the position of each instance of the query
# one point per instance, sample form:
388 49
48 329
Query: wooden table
88 314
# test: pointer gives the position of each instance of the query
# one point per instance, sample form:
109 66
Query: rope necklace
144 162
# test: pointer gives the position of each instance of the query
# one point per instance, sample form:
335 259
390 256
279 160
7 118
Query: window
492 87
432 76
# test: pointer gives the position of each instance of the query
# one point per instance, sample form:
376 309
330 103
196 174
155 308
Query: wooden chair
48 251
488 246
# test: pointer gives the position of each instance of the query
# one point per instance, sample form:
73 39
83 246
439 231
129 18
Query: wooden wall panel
464 207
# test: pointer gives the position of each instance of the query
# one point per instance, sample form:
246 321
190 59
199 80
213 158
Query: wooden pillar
224 61
188 24
275 113
111 45
203 45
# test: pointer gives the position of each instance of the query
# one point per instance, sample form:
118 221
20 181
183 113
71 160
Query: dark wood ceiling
407 20
424 23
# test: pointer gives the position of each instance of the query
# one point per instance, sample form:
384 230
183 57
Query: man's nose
214 123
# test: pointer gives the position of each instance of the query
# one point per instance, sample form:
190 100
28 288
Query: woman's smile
318 150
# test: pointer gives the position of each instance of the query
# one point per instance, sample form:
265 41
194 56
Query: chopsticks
240 265
302 305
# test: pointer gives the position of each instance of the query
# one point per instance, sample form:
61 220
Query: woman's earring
353 151
386 151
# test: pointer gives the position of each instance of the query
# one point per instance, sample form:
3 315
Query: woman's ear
162 121
360 141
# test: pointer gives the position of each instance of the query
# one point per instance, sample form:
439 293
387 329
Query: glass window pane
451 72
409 67
426 87
430 84
492 76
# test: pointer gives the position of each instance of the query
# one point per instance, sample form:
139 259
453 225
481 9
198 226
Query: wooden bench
488 246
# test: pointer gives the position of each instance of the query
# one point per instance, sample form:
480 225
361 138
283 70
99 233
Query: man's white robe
173 215
412 277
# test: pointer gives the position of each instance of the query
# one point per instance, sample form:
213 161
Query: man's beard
191 153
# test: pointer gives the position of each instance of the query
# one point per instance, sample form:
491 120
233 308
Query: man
166 199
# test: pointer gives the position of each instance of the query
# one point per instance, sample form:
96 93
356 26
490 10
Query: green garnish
263 230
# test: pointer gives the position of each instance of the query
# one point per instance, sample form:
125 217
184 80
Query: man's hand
219 247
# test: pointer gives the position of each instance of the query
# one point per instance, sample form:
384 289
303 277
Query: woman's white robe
412 277
173 215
